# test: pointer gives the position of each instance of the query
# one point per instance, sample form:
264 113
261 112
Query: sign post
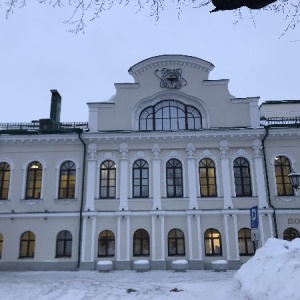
255 236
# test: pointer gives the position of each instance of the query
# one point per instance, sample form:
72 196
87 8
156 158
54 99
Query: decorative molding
140 155
190 149
174 154
124 150
223 146
155 150
257 146
286 199
170 78
92 148
32 201
241 153
65 201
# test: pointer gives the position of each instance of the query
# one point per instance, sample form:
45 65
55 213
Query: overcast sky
38 54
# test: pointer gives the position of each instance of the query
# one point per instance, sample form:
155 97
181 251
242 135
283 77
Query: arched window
67 179
174 178
176 245
140 179
106 244
246 245
290 233
242 178
27 244
1 244
282 170
141 243
64 244
34 181
212 241
108 179
207 173
4 180
170 115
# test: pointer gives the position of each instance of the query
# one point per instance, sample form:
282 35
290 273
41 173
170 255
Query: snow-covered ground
272 274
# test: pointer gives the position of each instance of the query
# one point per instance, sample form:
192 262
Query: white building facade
168 169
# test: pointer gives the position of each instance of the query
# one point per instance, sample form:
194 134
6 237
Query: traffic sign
255 236
254 217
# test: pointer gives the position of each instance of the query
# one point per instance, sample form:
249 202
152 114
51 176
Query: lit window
27 245
141 244
208 186
4 180
67 178
140 179
174 178
176 245
242 177
282 170
290 233
106 244
246 245
212 241
64 244
170 115
34 181
108 179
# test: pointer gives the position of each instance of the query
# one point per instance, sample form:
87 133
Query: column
259 174
91 177
192 175
223 146
156 182
123 177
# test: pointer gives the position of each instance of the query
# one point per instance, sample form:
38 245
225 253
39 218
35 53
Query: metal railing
280 121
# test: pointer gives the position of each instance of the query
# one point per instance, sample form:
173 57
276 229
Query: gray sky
38 54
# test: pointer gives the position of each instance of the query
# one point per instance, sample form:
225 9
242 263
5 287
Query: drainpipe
81 202
267 180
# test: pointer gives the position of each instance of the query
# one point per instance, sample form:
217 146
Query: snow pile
272 273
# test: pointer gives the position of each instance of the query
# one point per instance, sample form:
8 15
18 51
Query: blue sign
254 217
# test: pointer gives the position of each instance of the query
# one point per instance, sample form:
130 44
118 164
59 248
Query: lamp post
295 179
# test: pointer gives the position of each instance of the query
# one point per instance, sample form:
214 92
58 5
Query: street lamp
295 179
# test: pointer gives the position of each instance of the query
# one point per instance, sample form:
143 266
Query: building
167 169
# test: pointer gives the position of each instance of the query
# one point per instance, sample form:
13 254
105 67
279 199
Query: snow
141 262
104 263
273 273
180 262
220 262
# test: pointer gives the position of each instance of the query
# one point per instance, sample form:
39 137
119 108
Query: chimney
55 106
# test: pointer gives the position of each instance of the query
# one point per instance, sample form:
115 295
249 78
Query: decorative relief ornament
155 150
190 149
257 146
92 150
123 149
223 146
170 79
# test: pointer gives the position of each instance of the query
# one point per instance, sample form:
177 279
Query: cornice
170 61
40 139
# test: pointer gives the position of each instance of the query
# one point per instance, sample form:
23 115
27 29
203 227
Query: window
64 244
176 246
140 179
4 180
34 181
174 178
170 115
208 186
242 177
141 244
67 178
212 241
282 170
106 244
290 233
246 245
108 179
1 244
27 245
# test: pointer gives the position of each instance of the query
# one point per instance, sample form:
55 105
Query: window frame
27 242
141 243
207 178
106 240
37 174
240 164
140 165
67 241
110 167
211 239
171 181
173 242
281 171
70 170
244 237
5 171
